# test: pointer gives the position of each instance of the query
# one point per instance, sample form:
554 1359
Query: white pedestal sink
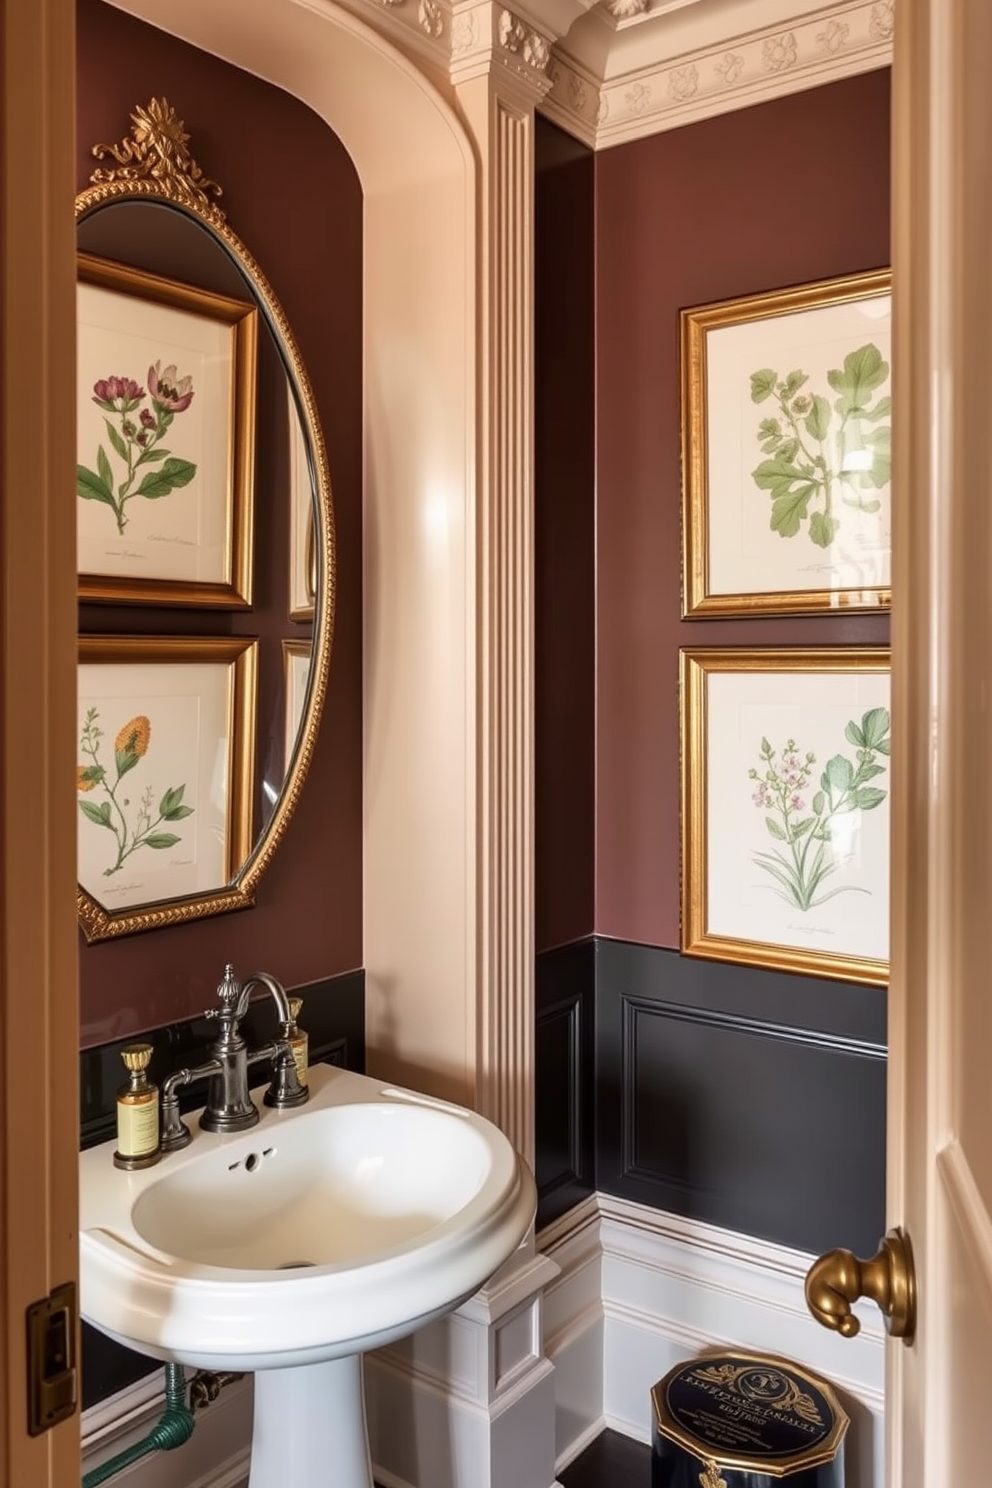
293 1248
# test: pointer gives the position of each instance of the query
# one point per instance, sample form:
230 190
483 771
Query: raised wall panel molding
732 1117
670 1287
644 82
476 1390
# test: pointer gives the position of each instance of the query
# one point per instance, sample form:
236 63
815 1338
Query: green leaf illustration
147 456
879 442
762 384
160 840
177 813
839 774
116 440
103 466
98 814
774 828
854 735
174 473
91 488
875 726
822 529
171 798
801 828
790 510
793 383
867 797
882 408
818 419
864 370
819 801
125 760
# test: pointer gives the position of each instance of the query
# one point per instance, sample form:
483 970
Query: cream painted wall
418 174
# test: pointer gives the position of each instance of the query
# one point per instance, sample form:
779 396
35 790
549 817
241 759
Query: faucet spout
275 989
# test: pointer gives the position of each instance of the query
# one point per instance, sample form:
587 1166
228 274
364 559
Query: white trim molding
652 78
469 1402
640 1290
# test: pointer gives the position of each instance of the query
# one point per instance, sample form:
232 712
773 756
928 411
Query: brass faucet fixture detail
230 1107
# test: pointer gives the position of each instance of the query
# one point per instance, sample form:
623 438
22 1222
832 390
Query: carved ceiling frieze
613 70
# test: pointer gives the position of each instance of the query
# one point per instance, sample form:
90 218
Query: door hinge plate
52 1374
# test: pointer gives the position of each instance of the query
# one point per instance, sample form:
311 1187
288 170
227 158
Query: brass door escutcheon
838 1278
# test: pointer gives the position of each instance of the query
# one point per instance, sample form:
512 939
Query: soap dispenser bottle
298 1039
137 1112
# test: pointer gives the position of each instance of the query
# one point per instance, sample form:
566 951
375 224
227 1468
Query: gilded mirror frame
154 165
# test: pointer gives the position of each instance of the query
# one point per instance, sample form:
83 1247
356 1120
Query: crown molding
619 79
609 71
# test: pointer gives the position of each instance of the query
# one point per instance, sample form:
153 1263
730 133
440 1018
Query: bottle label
300 1047
137 1127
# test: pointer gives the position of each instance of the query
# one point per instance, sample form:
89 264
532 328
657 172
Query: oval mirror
205 541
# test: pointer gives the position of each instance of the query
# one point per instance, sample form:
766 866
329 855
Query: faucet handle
285 1090
232 997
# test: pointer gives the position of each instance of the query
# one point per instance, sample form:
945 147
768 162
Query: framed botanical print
785 809
786 450
165 771
165 437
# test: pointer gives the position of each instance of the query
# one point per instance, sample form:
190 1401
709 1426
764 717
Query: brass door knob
838 1278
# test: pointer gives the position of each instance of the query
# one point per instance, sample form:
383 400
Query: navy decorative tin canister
734 1419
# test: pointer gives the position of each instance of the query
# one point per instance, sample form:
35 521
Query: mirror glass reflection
204 639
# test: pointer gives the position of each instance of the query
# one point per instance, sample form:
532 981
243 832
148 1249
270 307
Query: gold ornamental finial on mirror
156 152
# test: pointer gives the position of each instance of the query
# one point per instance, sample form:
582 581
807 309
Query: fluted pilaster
499 80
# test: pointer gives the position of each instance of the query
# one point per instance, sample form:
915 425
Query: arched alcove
418 176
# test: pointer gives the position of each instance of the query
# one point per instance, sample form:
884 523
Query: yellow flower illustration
132 822
134 737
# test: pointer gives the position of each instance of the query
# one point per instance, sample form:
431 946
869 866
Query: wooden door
940 1096
39 1116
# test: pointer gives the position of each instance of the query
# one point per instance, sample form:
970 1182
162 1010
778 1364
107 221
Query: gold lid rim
782 1466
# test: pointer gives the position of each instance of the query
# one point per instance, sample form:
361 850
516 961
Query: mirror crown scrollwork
157 152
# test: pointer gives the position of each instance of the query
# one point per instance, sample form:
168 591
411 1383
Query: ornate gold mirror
206 546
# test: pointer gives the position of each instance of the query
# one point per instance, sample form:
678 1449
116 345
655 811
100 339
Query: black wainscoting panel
333 1015
753 1100
565 1093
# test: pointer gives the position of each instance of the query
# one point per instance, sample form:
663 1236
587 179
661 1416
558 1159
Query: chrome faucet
230 1107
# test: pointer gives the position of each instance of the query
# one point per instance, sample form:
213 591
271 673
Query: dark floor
611 1461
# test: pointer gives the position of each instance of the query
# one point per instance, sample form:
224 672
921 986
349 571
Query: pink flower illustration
168 390
119 394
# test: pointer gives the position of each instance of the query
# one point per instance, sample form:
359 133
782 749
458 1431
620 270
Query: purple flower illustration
805 858
168 390
150 470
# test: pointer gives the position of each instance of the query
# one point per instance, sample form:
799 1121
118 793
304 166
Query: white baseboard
635 1292
669 1287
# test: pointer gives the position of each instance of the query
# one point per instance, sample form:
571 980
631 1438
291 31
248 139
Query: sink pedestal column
309 1427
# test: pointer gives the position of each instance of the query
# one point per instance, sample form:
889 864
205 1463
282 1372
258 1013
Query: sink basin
322 1232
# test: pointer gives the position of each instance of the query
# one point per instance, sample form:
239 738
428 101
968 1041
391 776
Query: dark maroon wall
781 194
292 195
564 537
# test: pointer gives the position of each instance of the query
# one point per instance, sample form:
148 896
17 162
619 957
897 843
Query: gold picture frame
785 809
165 779
302 534
297 658
165 413
785 400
